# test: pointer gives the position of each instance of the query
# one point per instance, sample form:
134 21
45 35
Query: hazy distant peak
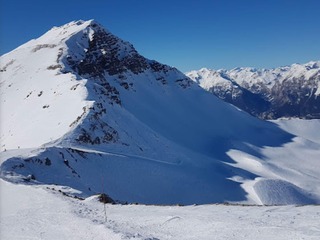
288 91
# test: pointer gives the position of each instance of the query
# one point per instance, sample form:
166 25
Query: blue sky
186 34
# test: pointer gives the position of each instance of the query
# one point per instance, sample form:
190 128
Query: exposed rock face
269 94
107 53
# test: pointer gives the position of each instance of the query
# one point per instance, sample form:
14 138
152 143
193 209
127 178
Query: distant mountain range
284 92
82 109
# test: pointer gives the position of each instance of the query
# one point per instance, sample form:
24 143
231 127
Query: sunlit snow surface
29 212
38 103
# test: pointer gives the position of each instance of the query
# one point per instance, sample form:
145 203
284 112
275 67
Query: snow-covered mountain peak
78 62
313 64
260 75
297 86
76 38
62 33
251 76
72 27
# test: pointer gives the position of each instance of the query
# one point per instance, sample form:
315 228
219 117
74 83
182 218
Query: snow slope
82 108
42 212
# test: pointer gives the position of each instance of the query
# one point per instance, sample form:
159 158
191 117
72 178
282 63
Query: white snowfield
150 136
38 212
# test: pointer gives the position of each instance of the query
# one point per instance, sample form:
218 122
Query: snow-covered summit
251 76
36 75
82 108
290 91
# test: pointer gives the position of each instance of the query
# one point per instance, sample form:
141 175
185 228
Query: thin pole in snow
103 199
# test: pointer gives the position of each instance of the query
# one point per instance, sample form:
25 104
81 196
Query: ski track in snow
131 156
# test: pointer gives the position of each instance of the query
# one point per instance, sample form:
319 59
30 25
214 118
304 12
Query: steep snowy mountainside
290 91
113 121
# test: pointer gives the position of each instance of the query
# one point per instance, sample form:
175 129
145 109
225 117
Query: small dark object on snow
104 198
66 162
30 177
47 162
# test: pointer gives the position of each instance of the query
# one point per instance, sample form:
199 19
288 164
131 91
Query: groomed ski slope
42 212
